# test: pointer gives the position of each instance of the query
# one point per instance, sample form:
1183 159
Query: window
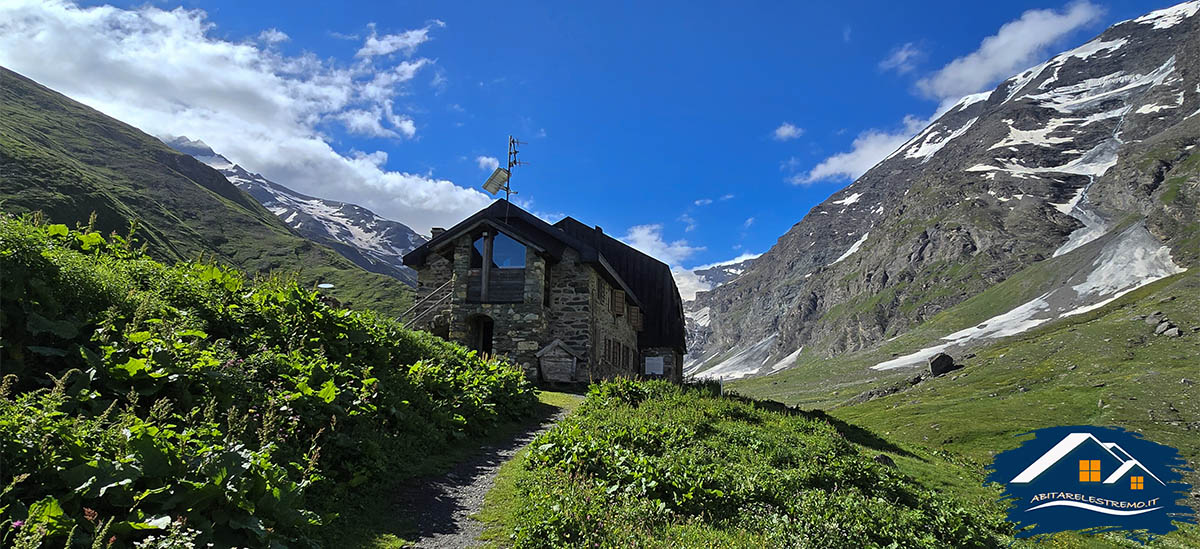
1135 483
618 302
1089 470
635 318
546 286
506 252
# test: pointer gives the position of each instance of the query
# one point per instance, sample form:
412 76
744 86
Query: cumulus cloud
649 240
273 36
867 150
173 73
487 163
703 202
405 42
1017 45
902 59
787 131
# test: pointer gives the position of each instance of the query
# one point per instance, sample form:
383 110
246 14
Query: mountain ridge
370 241
1049 160
70 161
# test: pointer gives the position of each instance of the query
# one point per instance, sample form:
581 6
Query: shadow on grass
852 432
434 508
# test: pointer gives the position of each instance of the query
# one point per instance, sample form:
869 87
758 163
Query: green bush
655 464
144 397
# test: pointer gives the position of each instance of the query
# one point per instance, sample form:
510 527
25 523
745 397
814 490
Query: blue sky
698 131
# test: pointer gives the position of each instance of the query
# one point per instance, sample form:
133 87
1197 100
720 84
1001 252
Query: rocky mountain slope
696 310
1088 159
371 242
71 162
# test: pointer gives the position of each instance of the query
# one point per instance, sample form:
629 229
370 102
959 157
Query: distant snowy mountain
696 310
370 241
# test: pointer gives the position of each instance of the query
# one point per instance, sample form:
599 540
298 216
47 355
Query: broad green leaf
328 391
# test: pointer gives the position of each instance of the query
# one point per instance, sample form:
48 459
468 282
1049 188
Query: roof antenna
500 180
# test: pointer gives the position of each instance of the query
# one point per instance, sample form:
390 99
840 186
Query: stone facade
614 352
672 363
568 301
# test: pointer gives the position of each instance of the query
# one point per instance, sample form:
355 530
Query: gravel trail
442 506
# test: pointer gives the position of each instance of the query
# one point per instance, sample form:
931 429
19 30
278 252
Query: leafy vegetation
71 162
652 464
184 403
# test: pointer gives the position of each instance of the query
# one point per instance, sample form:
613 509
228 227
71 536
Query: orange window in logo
1135 483
1089 470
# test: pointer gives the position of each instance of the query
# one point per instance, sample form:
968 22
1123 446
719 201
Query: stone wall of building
569 315
519 329
613 328
436 272
672 362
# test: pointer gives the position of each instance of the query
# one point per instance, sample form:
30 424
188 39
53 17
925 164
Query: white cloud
273 36
703 202
649 239
405 42
689 221
487 163
726 197
172 73
901 59
867 150
1017 45
749 221
787 131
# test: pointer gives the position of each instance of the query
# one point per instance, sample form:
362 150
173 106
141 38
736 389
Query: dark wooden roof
649 278
647 281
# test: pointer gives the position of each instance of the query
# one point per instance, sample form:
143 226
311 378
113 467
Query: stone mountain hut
565 301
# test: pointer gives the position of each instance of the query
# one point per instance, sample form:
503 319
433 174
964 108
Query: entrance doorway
481 334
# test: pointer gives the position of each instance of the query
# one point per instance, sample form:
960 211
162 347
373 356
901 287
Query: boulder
884 460
1173 332
1162 327
941 363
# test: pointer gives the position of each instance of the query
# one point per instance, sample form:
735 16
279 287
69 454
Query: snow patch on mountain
1127 262
853 248
1169 17
934 141
372 242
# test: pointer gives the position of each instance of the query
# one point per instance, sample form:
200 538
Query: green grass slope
1104 367
70 161
652 464
183 402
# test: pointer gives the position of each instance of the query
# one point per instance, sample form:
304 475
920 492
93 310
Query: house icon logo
1085 478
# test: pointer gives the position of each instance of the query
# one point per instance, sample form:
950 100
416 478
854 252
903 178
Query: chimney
436 231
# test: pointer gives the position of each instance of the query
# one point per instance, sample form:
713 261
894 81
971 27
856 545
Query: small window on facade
507 253
635 318
1089 470
1135 483
546 287
618 302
